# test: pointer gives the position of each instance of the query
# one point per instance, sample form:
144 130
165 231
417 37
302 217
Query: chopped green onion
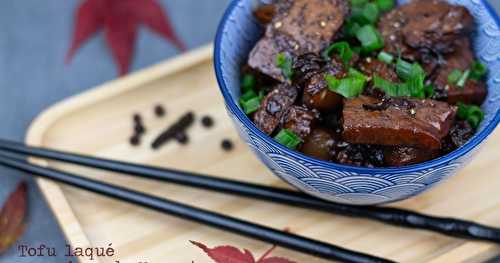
454 76
429 90
356 49
288 138
248 95
416 86
471 113
385 5
403 69
370 13
370 38
478 70
390 88
342 48
412 88
261 94
351 27
385 57
285 64
407 70
357 74
247 82
348 87
358 2
463 79
251 105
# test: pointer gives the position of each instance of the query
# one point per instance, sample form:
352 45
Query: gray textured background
34 37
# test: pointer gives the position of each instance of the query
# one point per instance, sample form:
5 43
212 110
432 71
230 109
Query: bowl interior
239 31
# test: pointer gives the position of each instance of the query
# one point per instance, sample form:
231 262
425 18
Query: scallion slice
357 74
284 62
358 2
370 38
403 69
390 88
471 113
463 79
416 86
429 90
288 138
370 13
351 27
454 76
248 82
348 87
478 70
342 48
385 57
251 105
385 5
248 95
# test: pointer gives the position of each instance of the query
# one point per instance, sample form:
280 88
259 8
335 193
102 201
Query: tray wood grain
98 122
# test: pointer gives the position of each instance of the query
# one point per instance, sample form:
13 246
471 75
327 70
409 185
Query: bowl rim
243 118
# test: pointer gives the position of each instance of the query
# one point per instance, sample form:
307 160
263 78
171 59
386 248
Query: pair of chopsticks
9 156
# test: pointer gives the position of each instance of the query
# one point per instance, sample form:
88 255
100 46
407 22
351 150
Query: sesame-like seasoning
278 24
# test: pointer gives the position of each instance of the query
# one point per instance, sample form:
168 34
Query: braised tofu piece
474 92
372 67
300 120
402 155
435 25
319 144
274 106
263 56
311 23
422 27
396 121
298 27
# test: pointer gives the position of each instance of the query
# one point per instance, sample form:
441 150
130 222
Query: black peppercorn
159 111
135 140
207 121
182 138
137 118
227 145
139 129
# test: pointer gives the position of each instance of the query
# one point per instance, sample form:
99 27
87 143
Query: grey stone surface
34 37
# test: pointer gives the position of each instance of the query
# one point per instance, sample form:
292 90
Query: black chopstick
245 228
400 217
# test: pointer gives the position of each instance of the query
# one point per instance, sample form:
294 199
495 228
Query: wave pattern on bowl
349 185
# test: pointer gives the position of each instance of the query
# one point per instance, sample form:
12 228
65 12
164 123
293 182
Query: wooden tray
99 123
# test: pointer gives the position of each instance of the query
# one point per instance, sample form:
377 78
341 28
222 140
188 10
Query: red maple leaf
230 254
120 20
12 217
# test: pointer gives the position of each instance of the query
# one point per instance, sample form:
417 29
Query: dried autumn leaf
120 32
226 254
152 15
89 19
12 217
120 20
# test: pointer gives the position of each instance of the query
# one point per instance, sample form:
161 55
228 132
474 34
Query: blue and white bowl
237 34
